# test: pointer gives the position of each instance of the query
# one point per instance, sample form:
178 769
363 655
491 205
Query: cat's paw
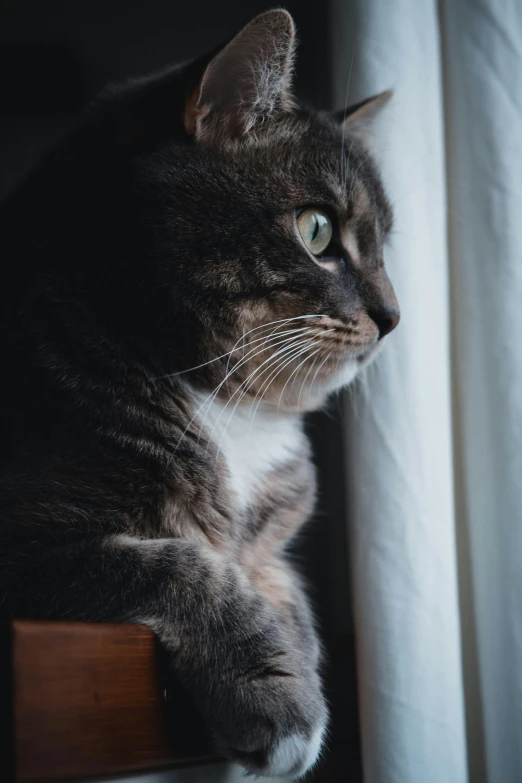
279 725
293 756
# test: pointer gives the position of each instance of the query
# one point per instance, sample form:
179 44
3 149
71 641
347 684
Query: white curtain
434 433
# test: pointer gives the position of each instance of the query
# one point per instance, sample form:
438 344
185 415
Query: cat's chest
251 449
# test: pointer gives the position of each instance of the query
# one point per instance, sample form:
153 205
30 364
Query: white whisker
343 162
297 350
285 350
286 343
318 371
353 178
260 339
294 373
266 342
280 365
209 399
229 353
279 369
304 382
271 323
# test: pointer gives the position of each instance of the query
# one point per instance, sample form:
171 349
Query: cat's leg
226 643
283 588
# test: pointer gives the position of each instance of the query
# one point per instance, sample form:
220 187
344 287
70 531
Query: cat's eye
315 228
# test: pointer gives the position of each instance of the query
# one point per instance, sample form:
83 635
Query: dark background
54 57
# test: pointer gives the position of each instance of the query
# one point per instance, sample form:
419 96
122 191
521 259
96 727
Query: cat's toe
287 759
293 756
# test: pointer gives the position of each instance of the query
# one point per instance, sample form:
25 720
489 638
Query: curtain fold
483 71
399 428
435 435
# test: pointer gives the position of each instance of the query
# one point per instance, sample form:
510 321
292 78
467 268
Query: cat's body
163 332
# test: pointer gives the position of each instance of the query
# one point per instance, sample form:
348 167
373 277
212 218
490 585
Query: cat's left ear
360 116
247 83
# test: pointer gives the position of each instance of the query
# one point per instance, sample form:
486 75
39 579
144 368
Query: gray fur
155 263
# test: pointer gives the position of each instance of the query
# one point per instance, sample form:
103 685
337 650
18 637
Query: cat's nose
385 319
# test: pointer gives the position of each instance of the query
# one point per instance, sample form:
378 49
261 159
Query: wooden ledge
87 700
81 700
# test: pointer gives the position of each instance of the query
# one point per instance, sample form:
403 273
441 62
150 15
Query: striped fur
163 331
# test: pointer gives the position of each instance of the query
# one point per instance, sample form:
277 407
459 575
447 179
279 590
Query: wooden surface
80 700
87 700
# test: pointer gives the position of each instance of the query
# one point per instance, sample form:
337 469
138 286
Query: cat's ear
360 116
247 83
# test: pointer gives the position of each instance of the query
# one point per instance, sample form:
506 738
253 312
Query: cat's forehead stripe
358 211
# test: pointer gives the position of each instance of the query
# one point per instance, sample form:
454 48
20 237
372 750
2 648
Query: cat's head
266 222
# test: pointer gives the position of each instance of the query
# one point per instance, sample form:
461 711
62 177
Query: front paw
274 719
289 758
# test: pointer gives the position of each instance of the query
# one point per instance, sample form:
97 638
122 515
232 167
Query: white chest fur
249 446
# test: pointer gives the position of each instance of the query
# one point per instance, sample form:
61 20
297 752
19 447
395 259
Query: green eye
316 230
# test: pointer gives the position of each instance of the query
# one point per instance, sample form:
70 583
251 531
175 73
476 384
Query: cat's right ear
247 83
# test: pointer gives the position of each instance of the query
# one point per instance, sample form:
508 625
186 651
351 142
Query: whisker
315 329
353 179
260 339
271 378
269 361
280 321
343 162
209 399
318 370
345 181
279 369
249 356
228 353
280 365
297 350
267 342
294 373
304 382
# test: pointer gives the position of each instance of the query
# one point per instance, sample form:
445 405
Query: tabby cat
197 265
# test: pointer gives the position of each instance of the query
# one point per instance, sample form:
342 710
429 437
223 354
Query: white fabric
434 434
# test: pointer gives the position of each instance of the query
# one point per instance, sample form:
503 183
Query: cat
194 267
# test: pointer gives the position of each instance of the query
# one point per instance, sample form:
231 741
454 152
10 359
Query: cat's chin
342 377
351 368
315 397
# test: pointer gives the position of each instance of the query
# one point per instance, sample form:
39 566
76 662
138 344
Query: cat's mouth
294 362
356 340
